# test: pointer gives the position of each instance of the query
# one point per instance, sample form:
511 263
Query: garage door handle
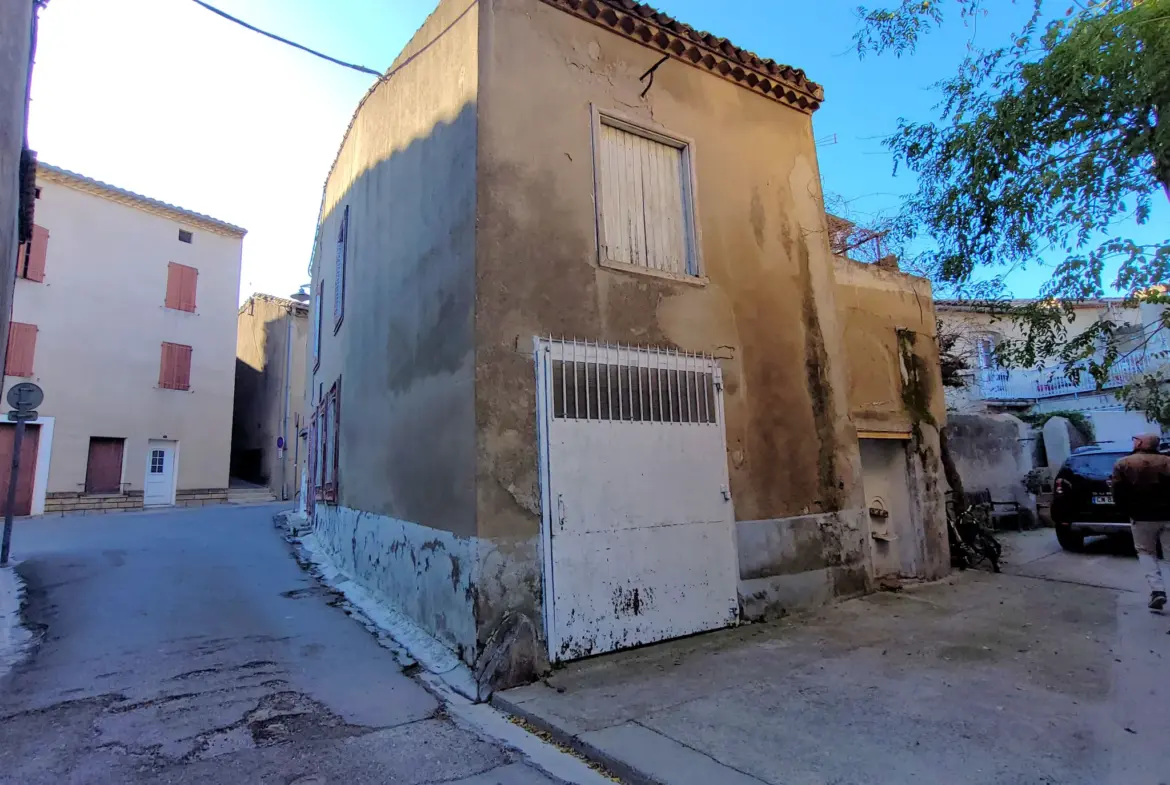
726 493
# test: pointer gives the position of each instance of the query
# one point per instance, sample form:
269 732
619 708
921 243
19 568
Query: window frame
318 307
16 329
183 274
326 462
339 263
600 117
162 378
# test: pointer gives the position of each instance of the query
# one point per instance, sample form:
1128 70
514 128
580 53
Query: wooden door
103 471
28 467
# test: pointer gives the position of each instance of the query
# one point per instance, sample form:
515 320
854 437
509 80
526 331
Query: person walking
1141 488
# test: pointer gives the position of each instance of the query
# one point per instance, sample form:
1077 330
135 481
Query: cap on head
1146 442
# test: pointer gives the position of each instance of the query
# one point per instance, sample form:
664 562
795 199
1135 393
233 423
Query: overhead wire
276 37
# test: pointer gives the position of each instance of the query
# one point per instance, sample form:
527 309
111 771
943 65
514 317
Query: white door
160 473
639 533
896 545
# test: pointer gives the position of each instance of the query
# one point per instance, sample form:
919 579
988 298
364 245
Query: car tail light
1062 485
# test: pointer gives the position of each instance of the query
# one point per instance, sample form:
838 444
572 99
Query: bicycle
971 538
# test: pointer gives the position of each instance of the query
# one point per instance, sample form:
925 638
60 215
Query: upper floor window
186 236
318 302
645 200
22 345
175 368
181 284
30 261
339 271
985 352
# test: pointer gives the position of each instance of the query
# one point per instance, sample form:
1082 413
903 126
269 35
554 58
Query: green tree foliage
1044 146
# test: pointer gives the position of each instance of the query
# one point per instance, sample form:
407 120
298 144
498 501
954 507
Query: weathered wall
895 388
266 329
994 452
98 347
404 351
767 309
16 27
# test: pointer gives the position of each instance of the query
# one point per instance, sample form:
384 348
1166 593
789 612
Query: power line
275 37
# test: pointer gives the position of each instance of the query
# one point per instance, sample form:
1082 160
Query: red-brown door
28 465
103 471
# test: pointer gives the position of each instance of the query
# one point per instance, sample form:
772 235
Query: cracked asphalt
187 646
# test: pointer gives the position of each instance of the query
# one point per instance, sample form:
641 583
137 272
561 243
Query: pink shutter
183 367
174 285
190 282
38 249
22 343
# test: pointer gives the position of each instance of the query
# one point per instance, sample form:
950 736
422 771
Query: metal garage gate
639 538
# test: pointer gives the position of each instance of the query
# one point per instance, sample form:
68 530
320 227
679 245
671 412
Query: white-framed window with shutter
339 271
645 195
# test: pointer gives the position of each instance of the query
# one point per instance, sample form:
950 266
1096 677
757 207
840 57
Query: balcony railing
1012 384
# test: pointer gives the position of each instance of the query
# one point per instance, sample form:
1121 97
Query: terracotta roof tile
701 49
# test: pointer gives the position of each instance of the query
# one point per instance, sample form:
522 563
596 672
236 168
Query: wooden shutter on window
175 367
181 285
33 267
103 470
22 344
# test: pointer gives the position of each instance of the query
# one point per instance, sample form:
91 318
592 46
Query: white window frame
690 196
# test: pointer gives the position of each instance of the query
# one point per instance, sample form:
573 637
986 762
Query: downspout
288 323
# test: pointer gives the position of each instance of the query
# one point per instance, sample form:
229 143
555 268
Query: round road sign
25 396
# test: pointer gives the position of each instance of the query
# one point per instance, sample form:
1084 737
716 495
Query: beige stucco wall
895 387
405 519
272 336
768 308
101 322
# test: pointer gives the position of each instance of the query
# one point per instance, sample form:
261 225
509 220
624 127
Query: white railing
1009 384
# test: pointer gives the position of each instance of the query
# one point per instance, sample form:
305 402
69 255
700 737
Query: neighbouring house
123 314
18 43
994 389
584 372
272 337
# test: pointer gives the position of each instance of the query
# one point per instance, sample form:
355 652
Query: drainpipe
288 322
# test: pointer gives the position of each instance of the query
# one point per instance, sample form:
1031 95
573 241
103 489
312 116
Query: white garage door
639 538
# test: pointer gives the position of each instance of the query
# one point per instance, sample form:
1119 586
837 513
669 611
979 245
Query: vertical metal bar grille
628 384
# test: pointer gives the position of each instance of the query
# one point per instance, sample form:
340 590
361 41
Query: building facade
123 313
991 388
272 336
18 35
584 383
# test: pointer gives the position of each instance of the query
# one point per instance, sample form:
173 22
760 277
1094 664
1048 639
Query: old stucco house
584 372
137 376
272 337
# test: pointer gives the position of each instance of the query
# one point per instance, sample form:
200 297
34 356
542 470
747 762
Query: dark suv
1082 499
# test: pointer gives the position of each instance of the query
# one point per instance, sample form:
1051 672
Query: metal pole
12 477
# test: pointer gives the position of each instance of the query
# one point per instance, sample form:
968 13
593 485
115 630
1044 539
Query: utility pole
24 398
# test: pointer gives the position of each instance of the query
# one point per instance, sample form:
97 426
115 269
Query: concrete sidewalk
1026 677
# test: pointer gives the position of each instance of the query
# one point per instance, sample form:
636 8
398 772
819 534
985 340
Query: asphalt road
187 646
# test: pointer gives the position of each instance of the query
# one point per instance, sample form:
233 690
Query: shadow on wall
405 356
246 460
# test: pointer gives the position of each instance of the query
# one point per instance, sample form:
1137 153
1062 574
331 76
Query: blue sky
164 98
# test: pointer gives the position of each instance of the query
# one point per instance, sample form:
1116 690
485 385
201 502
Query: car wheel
1069 539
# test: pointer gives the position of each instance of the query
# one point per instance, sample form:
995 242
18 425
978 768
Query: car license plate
1102 498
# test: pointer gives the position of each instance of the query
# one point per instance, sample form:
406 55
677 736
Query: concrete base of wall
788 564
75 502
424 573
198 497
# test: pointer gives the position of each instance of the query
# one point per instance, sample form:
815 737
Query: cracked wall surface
767 307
